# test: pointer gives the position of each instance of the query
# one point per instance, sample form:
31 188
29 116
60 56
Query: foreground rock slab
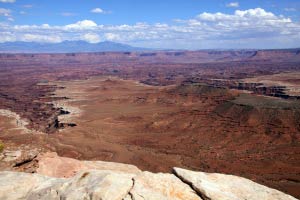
161 186
92 184
213 186
50 164
18 185
104 185
65 178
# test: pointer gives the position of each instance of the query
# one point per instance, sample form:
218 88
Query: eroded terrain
214 112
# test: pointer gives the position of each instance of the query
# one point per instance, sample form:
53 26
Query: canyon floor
157 128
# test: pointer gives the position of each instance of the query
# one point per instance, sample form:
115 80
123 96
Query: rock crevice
199 193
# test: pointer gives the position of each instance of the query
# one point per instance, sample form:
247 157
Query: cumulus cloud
97 10
85 24
252 28
233 5
252 21
7 1
91 37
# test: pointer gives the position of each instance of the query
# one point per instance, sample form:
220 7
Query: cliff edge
55 177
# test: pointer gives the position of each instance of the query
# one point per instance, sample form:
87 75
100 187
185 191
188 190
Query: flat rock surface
18 185
50 164
215 186
92 184
85 185
152 186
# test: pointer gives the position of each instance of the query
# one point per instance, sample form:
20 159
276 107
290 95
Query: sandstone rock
116 167
17 185
213 186
50 164
17 157
19 160
114 181
26 156
9 156
161 186
105 185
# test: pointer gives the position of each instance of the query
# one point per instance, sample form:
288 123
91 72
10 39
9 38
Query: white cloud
45 26
257 12
112 36
247 18
7 37
233 5
253 28
41 38
85 24
91 37
7 1
5 12
97 10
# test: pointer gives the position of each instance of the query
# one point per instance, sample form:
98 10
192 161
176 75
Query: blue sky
187 24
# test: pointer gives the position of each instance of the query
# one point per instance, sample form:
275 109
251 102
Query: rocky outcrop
114 181
213 186
23 159
160 186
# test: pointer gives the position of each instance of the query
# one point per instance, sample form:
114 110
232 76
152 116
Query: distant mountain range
65 47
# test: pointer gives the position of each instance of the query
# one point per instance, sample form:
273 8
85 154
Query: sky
167 24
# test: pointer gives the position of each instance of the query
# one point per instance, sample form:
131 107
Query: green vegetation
1 146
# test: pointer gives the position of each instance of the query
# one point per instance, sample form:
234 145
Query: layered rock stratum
57 177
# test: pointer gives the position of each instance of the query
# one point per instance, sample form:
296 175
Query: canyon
233 112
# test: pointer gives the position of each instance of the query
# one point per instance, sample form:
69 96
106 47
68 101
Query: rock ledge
66 178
